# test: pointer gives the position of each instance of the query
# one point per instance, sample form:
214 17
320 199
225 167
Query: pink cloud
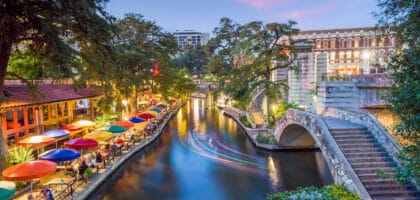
258 4
299 14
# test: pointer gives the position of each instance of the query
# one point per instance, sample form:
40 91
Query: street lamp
366 59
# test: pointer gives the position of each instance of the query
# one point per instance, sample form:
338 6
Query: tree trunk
5 49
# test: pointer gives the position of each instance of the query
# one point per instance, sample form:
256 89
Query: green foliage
193 58
266 138
283 107
24 64
20 154
331 192
402 18
88 173
245 121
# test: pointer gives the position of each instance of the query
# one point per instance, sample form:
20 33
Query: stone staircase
367 156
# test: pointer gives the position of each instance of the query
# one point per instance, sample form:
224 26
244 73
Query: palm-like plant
20 154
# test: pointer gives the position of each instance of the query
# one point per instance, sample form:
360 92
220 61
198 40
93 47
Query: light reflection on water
204 155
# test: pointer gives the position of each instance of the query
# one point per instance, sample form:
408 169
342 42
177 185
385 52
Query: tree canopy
193 58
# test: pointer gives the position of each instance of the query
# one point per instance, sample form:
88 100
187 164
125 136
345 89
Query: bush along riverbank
331 192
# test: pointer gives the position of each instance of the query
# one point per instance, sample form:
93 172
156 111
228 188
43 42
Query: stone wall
340 168
371 123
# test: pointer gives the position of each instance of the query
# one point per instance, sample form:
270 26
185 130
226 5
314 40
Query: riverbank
92 189
250 132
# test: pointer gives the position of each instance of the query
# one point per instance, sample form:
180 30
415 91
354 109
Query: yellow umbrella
140 126
151 112
84 123
99 136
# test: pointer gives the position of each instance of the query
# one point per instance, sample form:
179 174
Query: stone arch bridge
354 146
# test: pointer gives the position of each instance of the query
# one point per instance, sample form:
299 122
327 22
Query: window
325 44
31 115
341 56
373 42
332 43
21 120
381 41
59 110
366 42
66 113
349 43
348 56
356 54
356 42
53 111
332 57
9 119
341 43
45 112
318 44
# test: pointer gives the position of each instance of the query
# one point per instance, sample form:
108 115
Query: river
203 154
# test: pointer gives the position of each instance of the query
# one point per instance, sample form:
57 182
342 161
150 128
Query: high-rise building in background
190 37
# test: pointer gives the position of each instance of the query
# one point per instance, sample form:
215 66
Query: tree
193 58
244 57
49 29
402 17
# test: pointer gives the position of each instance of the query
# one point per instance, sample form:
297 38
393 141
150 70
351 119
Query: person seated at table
75 166
91 161
68 167
45 193
82 167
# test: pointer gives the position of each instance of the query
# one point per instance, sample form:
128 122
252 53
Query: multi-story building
338 55
190 37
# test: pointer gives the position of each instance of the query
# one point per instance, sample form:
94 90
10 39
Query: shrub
336 192
20 154
244 121
266 138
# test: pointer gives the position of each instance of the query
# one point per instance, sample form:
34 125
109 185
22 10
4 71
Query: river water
203 154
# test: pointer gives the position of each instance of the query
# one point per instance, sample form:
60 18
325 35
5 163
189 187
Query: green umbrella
143 103
156 110
106 118
7 189
116 129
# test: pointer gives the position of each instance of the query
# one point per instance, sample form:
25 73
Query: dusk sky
204 15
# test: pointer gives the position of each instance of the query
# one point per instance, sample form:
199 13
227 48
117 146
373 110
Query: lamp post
366 59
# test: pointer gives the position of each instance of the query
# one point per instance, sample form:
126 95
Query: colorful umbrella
161 106
151 112
81 143
146 115
155 110
60 155
29 170
38 140
99 136
106 118
70 127
7 189
84 123
125 124
56 133
116 129
136 120
143 103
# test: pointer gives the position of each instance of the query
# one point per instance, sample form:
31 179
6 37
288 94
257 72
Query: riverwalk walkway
85 188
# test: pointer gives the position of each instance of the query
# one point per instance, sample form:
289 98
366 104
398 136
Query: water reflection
204 155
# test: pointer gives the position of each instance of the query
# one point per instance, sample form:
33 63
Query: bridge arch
295 135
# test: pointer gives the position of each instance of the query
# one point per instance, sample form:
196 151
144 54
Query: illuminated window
381 42
356 42
9 119
341 56
341 43
356 54
318 44
348 56
349 43
53 111
332 43
45 112
21 120
373 42
65 109
325 44
31 115
332 57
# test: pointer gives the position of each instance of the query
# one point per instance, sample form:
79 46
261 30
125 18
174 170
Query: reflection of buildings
53 105
339 67
190 37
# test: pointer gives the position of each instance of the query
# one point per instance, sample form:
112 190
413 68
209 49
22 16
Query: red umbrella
29 170
81 143
37 141
125 124
146 115
70 127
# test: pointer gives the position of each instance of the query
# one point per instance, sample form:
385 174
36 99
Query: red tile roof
46 93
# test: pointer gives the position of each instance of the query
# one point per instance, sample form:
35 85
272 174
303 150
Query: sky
204 15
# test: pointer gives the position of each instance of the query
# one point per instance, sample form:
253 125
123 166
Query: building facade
51 105
191 38
349 56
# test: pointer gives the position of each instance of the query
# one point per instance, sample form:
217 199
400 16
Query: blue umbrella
59 155
136 120
56 133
